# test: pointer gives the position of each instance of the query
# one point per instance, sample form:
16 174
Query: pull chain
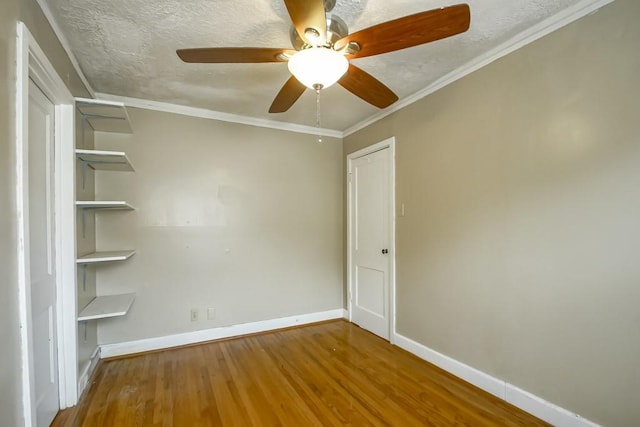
317 88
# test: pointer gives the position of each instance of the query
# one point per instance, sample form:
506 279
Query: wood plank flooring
326 374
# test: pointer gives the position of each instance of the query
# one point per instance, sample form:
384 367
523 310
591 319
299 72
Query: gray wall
519 251
242 219
11 11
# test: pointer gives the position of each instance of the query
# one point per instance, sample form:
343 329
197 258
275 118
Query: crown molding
65 45
532 34
217 115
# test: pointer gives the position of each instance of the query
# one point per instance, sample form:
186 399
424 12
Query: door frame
32 63
389 143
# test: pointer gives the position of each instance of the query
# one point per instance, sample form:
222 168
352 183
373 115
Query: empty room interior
436 223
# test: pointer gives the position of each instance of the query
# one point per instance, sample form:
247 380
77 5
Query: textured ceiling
127 48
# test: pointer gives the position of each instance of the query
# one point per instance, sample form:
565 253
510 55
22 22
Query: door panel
370 295
370 203
42 255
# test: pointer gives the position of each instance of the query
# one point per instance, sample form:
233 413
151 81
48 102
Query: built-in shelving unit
87 205
107 306
105 116
105 160
105 256
103 204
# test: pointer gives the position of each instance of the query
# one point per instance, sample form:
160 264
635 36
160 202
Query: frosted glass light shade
318 66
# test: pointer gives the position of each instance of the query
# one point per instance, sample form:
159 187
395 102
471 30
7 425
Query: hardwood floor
327 374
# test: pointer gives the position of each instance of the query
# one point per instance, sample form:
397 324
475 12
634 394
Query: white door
370 241
42 256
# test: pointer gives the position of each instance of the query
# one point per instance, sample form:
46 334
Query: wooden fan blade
365 86
409 31
287 96
234 54
308 14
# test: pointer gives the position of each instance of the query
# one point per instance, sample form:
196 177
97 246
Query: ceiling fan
323 47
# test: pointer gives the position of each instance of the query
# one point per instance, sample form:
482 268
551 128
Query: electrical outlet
194 314
211 313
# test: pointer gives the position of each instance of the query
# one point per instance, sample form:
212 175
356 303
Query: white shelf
105 116
105 160
103 204
106 256
107 306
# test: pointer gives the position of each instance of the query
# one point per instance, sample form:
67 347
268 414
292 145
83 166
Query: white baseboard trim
87 371
522 399
158 343
474 376
544 410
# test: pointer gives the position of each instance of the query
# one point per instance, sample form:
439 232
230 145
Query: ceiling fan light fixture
318 67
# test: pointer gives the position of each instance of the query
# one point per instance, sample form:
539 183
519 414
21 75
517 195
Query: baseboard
87 371
158 343
522 399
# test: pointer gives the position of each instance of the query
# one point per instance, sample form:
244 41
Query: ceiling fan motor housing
336 29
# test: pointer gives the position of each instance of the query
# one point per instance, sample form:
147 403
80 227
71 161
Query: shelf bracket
84 277
82 129
84 223
85 165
